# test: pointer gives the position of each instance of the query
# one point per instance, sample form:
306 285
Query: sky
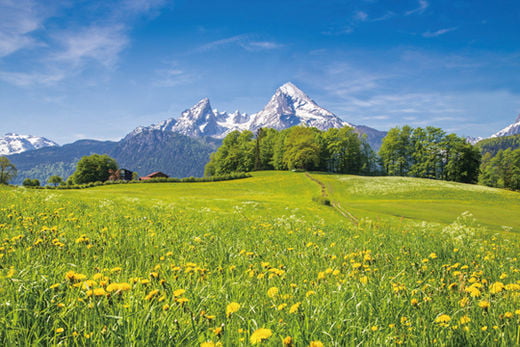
71 70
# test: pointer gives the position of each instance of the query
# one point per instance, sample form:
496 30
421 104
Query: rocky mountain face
13 143
512 129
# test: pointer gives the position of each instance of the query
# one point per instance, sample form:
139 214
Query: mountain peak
294 92
13 143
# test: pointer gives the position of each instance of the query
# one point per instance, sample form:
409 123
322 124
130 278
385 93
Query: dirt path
336 205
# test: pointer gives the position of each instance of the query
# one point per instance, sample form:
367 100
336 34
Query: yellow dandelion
316 344
272 292
59 330
484 304
464 320
260 335
294 308
496 287
443 318
179 292
232 308
151 295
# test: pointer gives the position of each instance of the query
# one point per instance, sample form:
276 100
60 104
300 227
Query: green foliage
93 168
31 182
55 180
7 170
501 170
295 148
429 153
495 144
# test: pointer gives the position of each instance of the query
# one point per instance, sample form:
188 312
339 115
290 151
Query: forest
425 153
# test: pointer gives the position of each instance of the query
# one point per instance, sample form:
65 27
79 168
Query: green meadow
261 260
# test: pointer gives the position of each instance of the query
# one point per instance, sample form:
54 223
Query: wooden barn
157 174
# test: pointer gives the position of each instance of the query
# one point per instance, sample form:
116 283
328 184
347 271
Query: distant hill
147 151
495 144
45 162
172 153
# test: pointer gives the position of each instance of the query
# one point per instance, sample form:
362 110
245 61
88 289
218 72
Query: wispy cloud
245 41
24 79
18 19
423 5
64 51
102 44
439 32
172 75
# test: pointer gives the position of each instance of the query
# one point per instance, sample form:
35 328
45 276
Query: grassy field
258 261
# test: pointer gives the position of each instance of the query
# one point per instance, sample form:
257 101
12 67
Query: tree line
429 153
296 148
425 153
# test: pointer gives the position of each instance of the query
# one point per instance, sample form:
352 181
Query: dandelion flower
443 318
232 308
484 304
316 344
272 292
294 308
260 335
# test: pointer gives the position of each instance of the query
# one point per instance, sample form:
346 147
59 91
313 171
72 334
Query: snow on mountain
513 129
473 140
289 106
13 143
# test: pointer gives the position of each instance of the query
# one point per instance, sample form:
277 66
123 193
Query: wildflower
150 295
272 292
96 292
179 292
281 306
294 308
309 293
508 315
232 308
288 341
464 320
166 307
496 287
59 330
443 318
414 302
463 302
316 344
374 328
363 279
484 304
260 335
433 255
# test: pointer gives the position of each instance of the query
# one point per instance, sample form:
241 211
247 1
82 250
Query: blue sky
98 69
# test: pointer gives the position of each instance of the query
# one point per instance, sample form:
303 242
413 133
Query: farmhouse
157 174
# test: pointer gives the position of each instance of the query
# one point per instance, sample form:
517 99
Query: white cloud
423 5
18 19
100 44
361 16
246 41
438 32
23 79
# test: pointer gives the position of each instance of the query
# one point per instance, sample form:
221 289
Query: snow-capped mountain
513 129
473 140
289 106
13 143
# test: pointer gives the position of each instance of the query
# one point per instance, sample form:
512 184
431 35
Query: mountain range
181 147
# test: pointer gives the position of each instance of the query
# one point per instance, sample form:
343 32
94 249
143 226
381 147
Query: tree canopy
93 168
305 148
7 170
429 153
